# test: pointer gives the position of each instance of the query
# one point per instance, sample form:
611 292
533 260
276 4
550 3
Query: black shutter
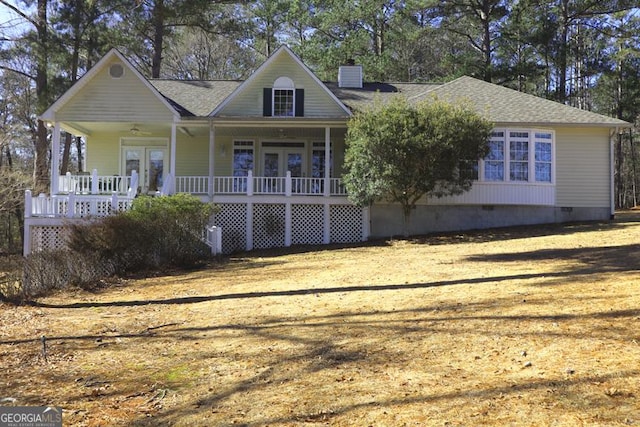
266 102
299 103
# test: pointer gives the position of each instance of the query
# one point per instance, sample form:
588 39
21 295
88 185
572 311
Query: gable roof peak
282 50
49 114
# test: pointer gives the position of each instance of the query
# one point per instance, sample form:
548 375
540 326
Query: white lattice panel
268 226
47 238
232 218
307 223
346 224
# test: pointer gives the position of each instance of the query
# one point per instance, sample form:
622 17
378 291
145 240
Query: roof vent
350 76
116 70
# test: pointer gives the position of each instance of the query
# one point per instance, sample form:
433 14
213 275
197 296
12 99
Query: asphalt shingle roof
497 103
503 105
198 97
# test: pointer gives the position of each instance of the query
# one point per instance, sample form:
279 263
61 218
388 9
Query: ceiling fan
135 130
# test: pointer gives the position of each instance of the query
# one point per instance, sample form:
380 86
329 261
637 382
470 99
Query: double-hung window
494 162
283 97
543 156
519 155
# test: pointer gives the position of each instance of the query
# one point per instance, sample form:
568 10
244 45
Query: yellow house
269 152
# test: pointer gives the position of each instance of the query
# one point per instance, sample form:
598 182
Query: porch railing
74 205
95 184
286 185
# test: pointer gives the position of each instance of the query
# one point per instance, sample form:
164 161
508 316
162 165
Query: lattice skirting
346 223
272 225
232 219
307 224
47 238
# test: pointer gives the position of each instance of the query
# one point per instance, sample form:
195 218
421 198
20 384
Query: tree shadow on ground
602 259
585 261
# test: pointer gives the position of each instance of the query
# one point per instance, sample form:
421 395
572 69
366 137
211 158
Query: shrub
158 232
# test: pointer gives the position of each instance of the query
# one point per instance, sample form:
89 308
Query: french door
277 159
149 162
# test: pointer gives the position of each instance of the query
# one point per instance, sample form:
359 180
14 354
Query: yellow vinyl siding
192 156
103 153
317 102
582 167
105 99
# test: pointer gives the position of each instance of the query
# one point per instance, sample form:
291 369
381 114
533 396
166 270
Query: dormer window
283 99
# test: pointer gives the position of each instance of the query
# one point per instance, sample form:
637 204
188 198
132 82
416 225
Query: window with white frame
242 158
519 155
494 162
283 97
543 156
318 163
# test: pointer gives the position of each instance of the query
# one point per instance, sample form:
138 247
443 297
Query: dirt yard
521 327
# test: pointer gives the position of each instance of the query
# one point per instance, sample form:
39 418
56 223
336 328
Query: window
242 158
283 99
242 164
468 169
518 156
318 162
494 162
283 102
543 156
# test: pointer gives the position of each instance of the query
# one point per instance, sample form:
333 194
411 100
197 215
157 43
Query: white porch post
172 161
287 224
55 158
327 161
212 158
326 229
249 226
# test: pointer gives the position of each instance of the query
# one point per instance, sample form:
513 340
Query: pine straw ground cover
529 326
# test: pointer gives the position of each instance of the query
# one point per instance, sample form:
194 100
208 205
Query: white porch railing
192 184
97 184
74 205
285 185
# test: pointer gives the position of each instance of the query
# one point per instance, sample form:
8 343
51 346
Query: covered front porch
206 158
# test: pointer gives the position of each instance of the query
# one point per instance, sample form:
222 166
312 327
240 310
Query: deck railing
95 184
283 185
74 205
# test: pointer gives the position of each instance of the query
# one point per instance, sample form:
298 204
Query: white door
149 162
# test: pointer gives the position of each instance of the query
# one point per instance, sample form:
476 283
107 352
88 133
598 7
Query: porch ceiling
149 129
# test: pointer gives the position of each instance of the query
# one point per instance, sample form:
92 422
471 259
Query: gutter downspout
612 202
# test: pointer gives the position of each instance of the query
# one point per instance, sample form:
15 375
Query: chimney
350 76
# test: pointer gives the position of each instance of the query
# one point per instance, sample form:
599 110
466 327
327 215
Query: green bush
157 232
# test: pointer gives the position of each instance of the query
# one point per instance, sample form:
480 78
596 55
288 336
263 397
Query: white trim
49 114
267 63
530 161
273 102
212 158
172 154
55 158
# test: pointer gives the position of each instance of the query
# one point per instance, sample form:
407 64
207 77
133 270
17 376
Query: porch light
223 150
